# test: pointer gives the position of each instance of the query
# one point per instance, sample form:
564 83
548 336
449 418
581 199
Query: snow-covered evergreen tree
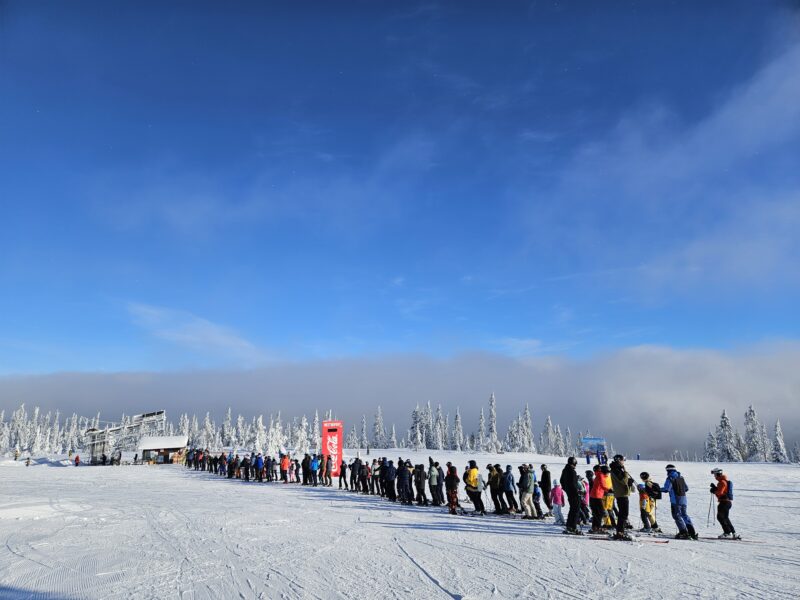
710 450
363 440
481 440
227 429
727 450
493 443
458 433
379 431
352 439
393 438
778 447
439 430
527 443
315 439
547 441
560 447
796 452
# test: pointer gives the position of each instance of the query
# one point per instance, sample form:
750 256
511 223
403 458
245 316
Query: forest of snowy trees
36 433
726 444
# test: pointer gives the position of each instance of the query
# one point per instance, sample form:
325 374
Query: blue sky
207 185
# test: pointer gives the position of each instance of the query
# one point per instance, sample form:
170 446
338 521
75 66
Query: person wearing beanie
573 490
509 489
546 483
557 502
654 493
676 487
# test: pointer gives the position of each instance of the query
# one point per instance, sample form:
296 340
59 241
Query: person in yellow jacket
646 507
474 486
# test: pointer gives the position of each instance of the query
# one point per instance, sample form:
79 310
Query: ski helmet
670 467
572 461
644 475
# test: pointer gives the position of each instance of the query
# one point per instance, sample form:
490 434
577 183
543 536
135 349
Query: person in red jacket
723 490
601 485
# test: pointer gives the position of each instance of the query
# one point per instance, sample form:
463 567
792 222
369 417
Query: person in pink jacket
557 499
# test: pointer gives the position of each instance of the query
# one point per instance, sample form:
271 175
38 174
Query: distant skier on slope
723 490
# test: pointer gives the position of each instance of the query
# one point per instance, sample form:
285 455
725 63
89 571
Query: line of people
600 500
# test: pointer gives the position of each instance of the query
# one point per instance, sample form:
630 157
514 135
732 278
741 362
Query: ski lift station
112 440
162 450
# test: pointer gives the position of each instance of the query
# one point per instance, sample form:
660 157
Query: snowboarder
676 487
723 490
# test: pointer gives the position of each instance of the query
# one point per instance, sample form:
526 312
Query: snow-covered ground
165 532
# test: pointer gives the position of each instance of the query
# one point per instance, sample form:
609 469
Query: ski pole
710 504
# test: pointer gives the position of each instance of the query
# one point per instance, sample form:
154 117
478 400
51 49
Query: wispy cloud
196 334
678 204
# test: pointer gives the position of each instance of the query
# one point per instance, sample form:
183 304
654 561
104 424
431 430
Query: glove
713 488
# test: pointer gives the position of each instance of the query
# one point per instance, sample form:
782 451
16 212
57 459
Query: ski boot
622 537
682 535
692 532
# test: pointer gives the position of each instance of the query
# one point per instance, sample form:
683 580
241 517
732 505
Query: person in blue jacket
676 487
314 470
509 489
259 468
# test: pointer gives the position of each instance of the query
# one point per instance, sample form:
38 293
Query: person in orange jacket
285 468
723 490
601 486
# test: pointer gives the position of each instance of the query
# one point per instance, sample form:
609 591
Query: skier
621 483
654 493
496 489
723 490
526 491
328 471
245 467
557 502
433 484
509 489
601 485
389 478
676 486
375 479
473 484
646 505
314 470
260 468
77 460
451 484
343 475
547 486
569 482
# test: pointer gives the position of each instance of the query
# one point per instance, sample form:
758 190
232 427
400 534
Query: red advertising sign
332 441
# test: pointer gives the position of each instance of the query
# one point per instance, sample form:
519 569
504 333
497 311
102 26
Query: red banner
332 440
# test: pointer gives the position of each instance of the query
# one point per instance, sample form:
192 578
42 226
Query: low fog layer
652 400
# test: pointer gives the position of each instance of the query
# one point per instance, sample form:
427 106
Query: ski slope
166 532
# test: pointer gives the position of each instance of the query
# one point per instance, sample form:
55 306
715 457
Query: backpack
679 485
729 491
654 491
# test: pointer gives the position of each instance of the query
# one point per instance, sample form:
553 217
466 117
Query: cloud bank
646 399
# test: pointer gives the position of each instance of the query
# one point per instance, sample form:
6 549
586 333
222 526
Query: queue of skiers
599 499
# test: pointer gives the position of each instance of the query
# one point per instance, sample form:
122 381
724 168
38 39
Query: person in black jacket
573 490
343 475
546 485
389 474
451 481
